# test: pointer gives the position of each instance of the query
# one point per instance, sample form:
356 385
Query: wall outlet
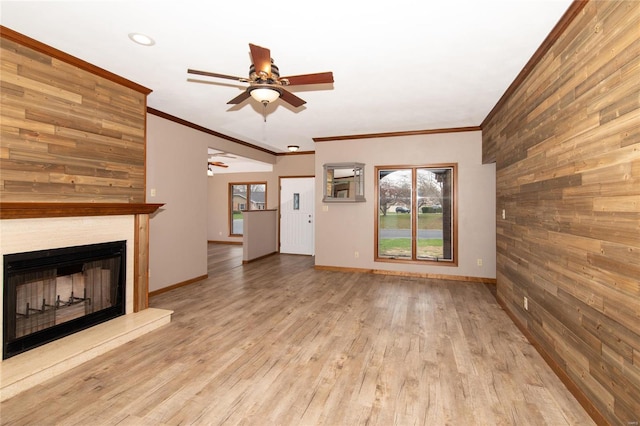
525 303
504 214
153 192
325 208
356 254
479 262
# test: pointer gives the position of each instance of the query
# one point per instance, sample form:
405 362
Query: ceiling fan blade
317 78
213 74
292 99
261 58
238 99
218 164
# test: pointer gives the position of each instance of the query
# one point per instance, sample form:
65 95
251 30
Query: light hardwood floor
277 342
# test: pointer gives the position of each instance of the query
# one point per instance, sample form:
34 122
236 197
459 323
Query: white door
297 201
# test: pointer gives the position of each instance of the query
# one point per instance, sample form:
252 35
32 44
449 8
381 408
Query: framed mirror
343 182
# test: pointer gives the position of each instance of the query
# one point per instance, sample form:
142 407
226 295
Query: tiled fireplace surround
33 367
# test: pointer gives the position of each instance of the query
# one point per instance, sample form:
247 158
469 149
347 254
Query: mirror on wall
343 182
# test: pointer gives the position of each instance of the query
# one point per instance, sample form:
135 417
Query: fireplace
33 227
49 294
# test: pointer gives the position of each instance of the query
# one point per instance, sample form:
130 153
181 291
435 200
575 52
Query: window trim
248 201
414 218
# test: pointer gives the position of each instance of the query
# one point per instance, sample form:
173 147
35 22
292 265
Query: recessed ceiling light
142 39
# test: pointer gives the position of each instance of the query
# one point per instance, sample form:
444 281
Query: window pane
431 197
257 197
238 203
394 217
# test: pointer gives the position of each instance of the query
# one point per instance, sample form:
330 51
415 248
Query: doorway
297 204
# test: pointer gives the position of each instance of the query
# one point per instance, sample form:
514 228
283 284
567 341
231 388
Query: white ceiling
398 66
234 163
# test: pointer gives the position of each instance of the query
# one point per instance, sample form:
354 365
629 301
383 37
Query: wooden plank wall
567 150
67 134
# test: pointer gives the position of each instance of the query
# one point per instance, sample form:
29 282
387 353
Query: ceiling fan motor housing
260 78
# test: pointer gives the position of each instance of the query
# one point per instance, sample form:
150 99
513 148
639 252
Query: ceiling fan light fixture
264 95
293 148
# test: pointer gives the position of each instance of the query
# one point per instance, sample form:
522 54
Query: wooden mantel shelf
35 210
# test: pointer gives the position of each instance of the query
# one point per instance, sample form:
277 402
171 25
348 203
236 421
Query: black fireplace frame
61 257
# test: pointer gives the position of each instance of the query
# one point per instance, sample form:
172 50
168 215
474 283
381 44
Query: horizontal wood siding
567 146
67 134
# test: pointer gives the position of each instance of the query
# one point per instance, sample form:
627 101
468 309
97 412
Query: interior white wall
349 227
177 174
260 236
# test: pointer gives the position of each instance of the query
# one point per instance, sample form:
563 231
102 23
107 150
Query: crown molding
194 126
393 134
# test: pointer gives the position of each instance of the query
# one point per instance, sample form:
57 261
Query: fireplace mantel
37 210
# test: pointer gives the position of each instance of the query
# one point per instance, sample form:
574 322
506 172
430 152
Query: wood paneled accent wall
567 151
69 131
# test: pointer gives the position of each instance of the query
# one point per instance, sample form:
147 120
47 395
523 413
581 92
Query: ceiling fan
212 164
265 83
212 159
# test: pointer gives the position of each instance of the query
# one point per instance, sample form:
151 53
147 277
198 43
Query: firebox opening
49 294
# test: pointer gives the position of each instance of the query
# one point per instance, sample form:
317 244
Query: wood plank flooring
277 342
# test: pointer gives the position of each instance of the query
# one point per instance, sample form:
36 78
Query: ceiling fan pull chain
264 111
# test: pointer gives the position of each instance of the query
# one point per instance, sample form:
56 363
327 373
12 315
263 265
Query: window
245 196
416 214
